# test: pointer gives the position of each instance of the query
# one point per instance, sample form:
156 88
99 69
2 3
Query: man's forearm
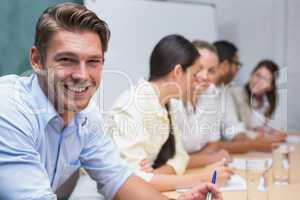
136 188
237 146
199 159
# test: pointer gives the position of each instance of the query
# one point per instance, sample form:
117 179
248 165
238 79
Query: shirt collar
46 111
43 107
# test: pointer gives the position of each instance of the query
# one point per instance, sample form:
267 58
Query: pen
213 180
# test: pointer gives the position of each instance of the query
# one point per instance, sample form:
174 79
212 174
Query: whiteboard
136 26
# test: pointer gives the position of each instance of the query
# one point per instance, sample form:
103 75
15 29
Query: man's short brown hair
68 17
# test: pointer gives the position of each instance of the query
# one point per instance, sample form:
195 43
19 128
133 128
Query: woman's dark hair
168 149
169 52
226 50
273 68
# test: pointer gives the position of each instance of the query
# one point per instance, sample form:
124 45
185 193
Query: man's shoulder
13 91
15 110
15 96
238 91
9 82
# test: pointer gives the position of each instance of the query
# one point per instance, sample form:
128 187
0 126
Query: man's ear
224 63
35 60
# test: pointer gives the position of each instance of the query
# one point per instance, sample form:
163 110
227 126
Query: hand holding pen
207 191
200 193
213 181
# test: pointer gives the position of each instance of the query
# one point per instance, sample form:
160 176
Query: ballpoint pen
213 180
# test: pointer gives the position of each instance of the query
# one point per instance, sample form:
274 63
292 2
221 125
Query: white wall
259 29
255 27
293 61
264 29
136 26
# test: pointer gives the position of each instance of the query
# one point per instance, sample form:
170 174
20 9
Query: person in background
210 128
198 118
256 102
229 65
49 130
141 124
229 62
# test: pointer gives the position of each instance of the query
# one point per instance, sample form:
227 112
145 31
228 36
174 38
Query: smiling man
47 127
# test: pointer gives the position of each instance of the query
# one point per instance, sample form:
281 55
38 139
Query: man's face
72 69
223 71
228 69
234 65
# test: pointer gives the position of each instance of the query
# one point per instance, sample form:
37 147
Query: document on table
236 183
239 163
293 139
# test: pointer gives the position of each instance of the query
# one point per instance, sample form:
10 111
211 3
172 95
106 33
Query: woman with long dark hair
257 100
142 127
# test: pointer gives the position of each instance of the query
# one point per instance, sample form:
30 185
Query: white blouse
258 118
214 118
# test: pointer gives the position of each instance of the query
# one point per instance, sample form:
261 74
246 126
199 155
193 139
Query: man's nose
81 72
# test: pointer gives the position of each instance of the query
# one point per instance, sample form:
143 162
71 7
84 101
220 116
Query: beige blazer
243 109
139 126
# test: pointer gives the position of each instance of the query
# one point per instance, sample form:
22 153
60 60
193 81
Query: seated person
257 100
140 122
48 130
210 129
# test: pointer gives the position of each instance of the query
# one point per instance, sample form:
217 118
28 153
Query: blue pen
213 180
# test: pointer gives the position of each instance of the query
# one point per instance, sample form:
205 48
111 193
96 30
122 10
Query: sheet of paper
235 183
182 190
293 139
239 163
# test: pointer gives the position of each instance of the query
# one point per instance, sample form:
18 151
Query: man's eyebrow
69 54
96 57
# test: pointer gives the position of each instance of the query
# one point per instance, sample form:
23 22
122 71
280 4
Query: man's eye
95 61
212 71
66 60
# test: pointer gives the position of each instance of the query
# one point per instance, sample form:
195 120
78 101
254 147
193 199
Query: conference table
276 192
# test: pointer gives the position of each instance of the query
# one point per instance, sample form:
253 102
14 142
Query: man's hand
211 147
200 192
221 155
277 136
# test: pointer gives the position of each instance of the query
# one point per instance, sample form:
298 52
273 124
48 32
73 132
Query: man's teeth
77 89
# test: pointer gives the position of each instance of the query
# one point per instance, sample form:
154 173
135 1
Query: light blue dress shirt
37 154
